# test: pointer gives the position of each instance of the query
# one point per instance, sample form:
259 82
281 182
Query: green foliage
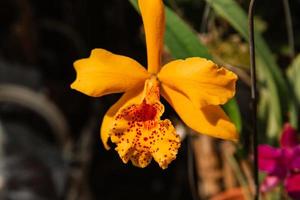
183 42
269 73
233 110
293 74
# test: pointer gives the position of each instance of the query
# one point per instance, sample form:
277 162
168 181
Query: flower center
140 134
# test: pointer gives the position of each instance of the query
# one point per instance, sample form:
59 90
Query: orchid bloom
194 87
282 164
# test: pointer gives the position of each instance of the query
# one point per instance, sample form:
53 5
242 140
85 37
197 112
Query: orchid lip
141 135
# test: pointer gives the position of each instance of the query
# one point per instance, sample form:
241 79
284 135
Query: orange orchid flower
194 87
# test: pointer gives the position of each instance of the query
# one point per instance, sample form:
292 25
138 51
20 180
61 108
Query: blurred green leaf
293 74
182 42
232 109
268 71
263 110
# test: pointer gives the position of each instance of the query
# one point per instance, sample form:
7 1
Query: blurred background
49 134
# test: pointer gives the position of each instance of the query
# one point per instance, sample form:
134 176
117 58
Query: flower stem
253 95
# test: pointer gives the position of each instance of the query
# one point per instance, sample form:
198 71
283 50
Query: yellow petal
154 24
210 120
133 96
166 145
160 142
202 81
138 131
105 73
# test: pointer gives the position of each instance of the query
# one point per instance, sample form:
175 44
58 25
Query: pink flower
282 164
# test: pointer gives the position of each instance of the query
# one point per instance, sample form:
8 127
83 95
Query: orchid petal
200 80
154 24
105 73
269 183
131 97
288 137
295 164
295 161
271 161
137 130
209 120
292 186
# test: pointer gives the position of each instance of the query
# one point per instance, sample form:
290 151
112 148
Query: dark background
39 41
